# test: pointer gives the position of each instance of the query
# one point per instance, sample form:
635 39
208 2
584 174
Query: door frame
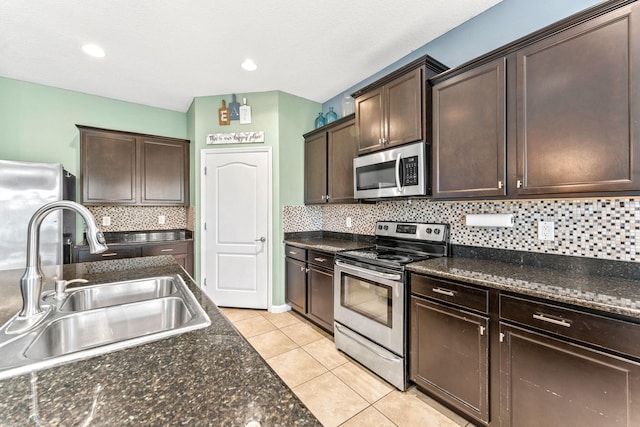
203 191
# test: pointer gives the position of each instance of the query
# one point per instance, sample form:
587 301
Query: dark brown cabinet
449 346
328 163
181 251
394 110
549 114
469 125
309 284
549 379
122 168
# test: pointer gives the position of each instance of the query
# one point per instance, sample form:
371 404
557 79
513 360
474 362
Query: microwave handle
398 183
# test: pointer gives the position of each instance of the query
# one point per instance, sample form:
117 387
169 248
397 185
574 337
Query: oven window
379 175
370 299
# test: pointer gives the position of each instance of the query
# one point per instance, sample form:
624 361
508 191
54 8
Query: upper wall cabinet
123 168
395 109
328 162
567 124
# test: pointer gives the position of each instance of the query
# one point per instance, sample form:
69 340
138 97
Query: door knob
262 239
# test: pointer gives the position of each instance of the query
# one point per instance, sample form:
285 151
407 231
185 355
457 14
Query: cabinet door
469 146
578 100
164 172
109 168
343 148
315 169
549 382
296 284
449 355
370 121
320 302
404 109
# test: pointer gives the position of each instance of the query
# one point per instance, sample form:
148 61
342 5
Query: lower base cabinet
309 285
550 382
182 252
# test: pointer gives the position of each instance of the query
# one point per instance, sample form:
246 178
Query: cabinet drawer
295 253
614 334
165 249
452 293
321 259
118 253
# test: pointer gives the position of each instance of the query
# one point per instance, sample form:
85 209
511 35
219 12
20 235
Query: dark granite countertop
567 285
210 376
328 241
144 237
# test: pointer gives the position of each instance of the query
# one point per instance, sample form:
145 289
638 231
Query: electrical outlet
349 223
161 219
106 221
546 230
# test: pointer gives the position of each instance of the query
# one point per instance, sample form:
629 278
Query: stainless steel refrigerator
25 187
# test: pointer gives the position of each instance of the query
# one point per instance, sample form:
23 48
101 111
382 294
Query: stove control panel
413 230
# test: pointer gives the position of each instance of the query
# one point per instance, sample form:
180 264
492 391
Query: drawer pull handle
110 254
166 250
293 253
320 259
444 292
559 322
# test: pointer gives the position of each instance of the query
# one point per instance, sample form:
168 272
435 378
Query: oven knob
428 230
386 227
379 227
437 231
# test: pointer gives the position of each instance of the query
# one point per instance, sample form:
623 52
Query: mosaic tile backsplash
140 218
596 228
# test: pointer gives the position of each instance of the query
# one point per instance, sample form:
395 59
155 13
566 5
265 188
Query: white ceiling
163 53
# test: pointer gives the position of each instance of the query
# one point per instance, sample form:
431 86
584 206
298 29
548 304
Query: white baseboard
279 308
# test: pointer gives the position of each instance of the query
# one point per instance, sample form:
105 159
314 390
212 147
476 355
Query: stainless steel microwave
398 172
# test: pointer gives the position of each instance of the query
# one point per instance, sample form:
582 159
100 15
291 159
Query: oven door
371 303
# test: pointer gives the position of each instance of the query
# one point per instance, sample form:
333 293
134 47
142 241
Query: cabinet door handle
320 259
306 270
446 292
293 253
166 250
545 318
110 254
500 184
302 269
519 183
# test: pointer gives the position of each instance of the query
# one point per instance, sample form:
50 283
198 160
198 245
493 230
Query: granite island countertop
328 242
210 376
571 286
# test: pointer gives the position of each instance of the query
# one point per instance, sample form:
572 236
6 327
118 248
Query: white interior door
236 244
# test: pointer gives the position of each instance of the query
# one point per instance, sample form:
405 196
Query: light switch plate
106 221
349 223
546 230
161 219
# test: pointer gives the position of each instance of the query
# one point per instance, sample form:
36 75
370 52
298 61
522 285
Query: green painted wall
283 118
37 123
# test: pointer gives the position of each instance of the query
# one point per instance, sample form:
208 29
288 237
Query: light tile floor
335 388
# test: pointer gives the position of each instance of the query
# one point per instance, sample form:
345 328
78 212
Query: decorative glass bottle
320 121
331 115
348 105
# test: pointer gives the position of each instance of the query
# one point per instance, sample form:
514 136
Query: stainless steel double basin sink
99 319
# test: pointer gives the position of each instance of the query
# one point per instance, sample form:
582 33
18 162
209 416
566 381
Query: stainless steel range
371 295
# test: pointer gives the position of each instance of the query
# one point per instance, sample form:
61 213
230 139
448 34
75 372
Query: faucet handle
61 287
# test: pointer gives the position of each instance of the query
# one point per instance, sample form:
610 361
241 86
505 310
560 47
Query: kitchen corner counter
210 376
329 242
571 286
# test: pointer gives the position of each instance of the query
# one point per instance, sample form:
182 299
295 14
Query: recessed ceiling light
93 50
249 65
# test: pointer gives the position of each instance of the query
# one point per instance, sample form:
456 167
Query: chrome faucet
31 281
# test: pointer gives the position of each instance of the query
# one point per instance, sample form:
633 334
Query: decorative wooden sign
236 138
223 114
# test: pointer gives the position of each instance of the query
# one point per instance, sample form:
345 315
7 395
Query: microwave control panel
410 171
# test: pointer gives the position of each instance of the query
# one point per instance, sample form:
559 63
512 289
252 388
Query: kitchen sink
99 319
98 296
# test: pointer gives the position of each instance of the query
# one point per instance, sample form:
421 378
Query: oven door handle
364 344
388 276
398 183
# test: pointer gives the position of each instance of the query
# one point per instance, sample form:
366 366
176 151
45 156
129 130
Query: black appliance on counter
371 295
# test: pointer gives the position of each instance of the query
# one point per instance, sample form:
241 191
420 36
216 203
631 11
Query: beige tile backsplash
138 218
